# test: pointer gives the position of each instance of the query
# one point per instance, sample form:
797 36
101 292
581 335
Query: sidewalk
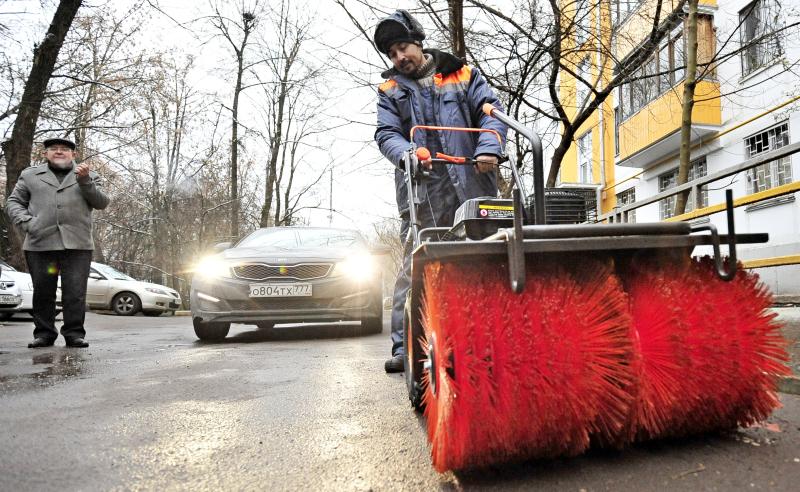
790 317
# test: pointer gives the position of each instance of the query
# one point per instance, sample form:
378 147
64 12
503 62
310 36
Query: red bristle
536 374
737 350
710 352
574 358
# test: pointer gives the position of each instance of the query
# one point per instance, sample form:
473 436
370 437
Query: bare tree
237 33
17 150
689 85
293 112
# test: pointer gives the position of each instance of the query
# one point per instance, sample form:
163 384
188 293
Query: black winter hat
398 28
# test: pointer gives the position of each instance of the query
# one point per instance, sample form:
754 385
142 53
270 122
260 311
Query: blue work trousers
440 213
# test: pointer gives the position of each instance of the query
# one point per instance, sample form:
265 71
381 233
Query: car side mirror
380 250
95 276
220 247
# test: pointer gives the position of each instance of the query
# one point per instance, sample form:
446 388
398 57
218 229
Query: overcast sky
363 189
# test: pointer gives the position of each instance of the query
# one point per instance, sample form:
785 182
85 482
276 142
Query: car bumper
11 306
159 302
27 301
335 299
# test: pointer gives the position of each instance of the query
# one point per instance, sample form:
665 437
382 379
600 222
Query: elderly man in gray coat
53 205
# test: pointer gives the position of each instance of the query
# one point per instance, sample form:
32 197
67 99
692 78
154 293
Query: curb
789 384
183 313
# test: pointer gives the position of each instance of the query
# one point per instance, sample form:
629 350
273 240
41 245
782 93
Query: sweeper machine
526 339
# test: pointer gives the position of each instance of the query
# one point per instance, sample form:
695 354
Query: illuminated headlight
156 291
358 268
213 267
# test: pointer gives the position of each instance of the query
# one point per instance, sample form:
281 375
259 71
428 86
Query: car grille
266 303
261 271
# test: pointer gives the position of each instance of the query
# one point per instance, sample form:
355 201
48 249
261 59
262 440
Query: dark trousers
439 214
45 267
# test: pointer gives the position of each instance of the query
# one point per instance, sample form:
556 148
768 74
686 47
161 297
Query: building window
617 121
582 20
582 89
621 9
585 158
773 173
626 198
761 43
663 70
697 169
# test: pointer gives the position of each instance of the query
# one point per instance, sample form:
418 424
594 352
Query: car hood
21 277
290 256
138 284
156 286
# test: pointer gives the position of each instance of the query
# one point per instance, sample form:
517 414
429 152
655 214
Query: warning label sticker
491 211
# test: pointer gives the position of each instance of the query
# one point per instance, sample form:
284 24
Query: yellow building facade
639 121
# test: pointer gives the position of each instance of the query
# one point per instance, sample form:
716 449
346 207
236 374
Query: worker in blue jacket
431 87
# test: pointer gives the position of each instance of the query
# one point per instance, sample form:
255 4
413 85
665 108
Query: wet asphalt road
147 407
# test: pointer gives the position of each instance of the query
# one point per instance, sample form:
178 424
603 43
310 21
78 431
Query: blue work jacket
459 95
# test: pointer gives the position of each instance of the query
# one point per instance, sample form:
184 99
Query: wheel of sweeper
413 354
520 376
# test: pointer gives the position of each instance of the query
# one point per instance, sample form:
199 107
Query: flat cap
58 140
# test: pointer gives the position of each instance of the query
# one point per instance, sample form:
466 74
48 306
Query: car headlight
156 291
360 268
213 267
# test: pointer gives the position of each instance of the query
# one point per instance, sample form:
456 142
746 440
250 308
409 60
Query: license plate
5 299
174 305
280 290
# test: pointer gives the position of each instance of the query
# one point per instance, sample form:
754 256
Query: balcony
653 133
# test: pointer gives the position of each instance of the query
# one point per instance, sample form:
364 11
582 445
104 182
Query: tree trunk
688 104
235 151
17 150
456 26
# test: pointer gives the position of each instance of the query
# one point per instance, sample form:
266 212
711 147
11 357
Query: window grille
621 10
668 180
626 198
585 158
773 173
761 43
582 21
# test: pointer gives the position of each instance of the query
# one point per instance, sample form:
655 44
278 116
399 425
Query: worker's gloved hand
486 163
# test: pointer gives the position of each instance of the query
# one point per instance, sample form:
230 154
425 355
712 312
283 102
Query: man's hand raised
82 172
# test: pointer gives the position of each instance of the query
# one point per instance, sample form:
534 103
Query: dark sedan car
288 275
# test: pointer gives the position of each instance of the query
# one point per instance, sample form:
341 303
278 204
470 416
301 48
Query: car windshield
286 238
111 272
6 266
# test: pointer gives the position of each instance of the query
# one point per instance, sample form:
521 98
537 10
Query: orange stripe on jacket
389 84
460 76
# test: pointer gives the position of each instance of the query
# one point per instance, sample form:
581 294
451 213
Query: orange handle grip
450 158
488 108
423 154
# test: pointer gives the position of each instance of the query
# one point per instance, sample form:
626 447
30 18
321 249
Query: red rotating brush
710 352
522 376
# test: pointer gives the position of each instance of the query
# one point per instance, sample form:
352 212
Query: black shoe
41 343
395 364
77 342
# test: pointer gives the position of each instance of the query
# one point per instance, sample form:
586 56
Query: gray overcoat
55 215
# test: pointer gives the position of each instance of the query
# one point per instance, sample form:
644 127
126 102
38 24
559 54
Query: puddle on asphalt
44 370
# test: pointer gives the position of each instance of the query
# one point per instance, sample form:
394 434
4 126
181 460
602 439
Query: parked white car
10 296
108 288
22 281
